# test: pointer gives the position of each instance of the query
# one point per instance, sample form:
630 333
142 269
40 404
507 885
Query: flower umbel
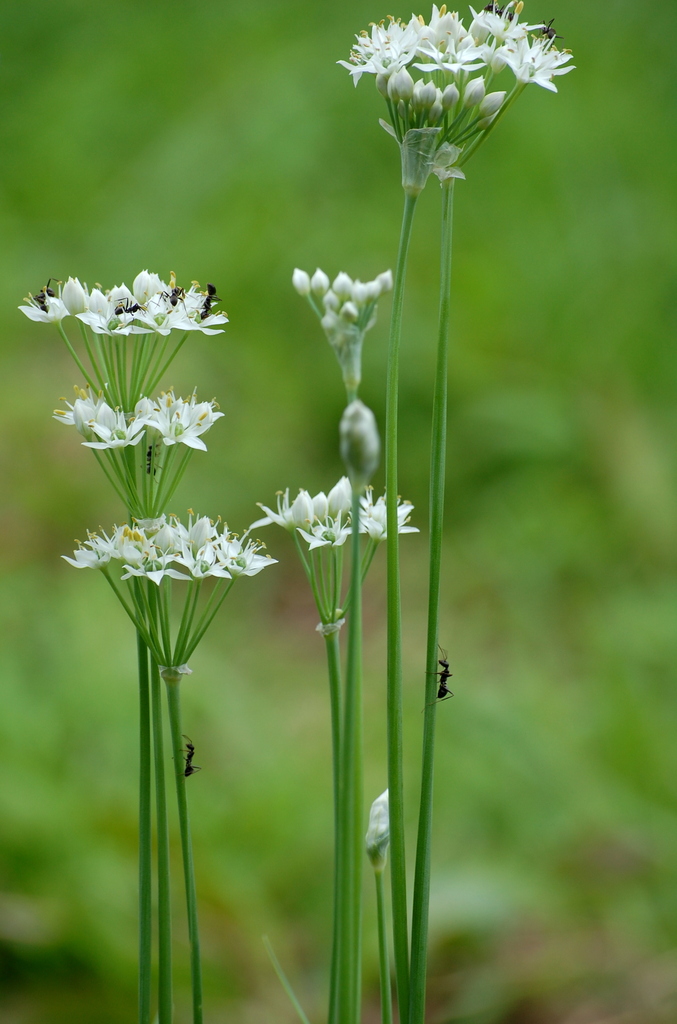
446 109
347 310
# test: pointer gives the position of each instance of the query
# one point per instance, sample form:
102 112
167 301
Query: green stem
350 796
76 357
164 898
419 934
145 923
332 645
383 958
394 617
174 703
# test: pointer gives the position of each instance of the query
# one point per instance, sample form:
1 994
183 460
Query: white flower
182 420
537 61
373 517
82 412
95 553
501 23
113 313
241 560
389 48
45 308
448 44
112 428
299 513
331 531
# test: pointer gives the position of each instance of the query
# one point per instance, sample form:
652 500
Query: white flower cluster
347 310
150 307
324 520
175 420
495 39
353 302
152 548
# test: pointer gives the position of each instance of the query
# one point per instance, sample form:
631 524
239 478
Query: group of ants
127 306
443 693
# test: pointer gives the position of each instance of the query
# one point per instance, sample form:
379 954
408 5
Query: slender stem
383 958
76 357
394 616
350 832
207 618
174 703
156 377
145 922
419 933
332 645
164 898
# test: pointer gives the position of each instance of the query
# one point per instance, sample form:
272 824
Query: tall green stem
334 672
174 703
383 958
145 923
164 897
350 795
394 695
419 932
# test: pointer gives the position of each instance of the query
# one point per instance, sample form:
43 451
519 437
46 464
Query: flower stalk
421 899
394 624
173 680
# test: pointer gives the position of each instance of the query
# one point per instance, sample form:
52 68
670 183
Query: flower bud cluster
171 419
456 104
347 310
324 520
150 307
154 548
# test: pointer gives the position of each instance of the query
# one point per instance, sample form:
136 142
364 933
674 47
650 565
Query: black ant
548 32
443 691
210 298
190 768
127 307
495 9
43 294
149 461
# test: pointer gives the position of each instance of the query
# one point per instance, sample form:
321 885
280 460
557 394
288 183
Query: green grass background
221 141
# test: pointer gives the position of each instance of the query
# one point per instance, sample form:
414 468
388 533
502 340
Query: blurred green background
222 142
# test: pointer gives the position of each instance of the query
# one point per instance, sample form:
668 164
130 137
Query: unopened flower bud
491 103
343 286
301 281
424 95
98 303
145 285
497 62
331 301
378 833
474 92
401 86
340 497
385 280
372 290
360 443
301 510
435 113
349 312
319 282
74 296
485 122
450 97
360 292
382 85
